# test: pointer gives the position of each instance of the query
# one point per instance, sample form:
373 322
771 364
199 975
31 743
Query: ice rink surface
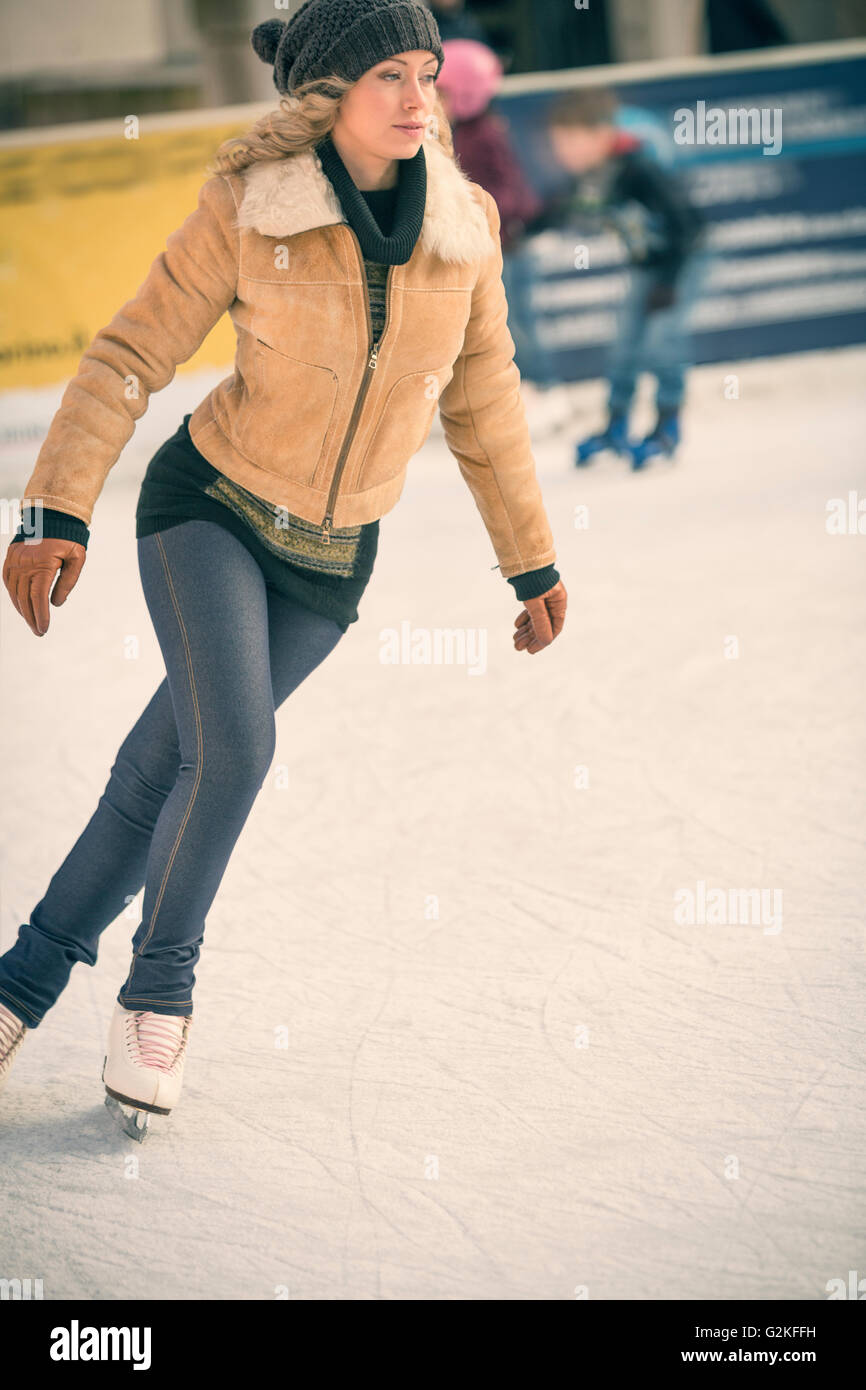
452 1036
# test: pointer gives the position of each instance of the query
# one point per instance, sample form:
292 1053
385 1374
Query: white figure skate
12 1032
143 1068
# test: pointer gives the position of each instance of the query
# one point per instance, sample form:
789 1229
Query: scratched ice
452 1040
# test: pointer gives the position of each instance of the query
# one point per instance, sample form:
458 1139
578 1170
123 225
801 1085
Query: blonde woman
362 272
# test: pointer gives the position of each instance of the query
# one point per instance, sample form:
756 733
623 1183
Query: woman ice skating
362 271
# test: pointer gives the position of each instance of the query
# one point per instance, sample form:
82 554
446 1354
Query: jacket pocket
283 421
404 424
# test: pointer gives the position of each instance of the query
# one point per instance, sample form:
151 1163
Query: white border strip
241 115
609 74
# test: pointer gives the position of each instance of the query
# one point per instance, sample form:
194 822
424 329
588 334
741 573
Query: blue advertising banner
773 155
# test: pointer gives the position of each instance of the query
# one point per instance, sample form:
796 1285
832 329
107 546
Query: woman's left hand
541 620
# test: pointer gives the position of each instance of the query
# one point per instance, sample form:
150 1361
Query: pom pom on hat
265 38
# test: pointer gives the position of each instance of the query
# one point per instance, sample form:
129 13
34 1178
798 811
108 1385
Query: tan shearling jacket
316 417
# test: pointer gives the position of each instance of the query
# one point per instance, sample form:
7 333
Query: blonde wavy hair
301 121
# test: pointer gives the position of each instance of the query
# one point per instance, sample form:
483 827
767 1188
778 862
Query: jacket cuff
59 526
534 583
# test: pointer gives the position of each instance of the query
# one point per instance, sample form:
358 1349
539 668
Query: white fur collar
293 194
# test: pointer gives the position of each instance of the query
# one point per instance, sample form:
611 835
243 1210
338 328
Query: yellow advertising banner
81 221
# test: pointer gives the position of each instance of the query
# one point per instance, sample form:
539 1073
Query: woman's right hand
28 573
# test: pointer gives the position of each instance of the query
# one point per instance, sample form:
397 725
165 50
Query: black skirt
181 485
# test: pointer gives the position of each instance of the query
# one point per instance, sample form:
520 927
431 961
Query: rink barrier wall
85 210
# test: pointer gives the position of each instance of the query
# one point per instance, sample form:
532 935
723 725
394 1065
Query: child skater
621 186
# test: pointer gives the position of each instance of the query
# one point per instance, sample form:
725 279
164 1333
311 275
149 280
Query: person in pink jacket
470 78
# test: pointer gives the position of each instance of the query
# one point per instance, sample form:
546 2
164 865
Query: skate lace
10 1028
159 1038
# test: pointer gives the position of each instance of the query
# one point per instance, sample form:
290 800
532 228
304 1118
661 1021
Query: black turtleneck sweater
181 485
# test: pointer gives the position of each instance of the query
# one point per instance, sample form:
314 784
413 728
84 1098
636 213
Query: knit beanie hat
343 37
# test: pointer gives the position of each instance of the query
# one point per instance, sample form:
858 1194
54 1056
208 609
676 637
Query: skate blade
132 1121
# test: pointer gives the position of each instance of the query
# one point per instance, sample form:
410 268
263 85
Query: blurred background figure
471 76
653 132
455 21
621 186
734 25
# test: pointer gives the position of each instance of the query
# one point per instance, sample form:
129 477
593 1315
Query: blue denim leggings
184 779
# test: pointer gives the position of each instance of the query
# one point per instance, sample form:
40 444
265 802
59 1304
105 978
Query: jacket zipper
328 520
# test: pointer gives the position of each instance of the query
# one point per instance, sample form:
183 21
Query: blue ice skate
614 437
662 442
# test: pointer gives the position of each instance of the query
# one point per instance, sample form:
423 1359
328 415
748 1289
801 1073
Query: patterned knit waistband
289 536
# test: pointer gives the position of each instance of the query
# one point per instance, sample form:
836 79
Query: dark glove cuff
56 526
534 583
